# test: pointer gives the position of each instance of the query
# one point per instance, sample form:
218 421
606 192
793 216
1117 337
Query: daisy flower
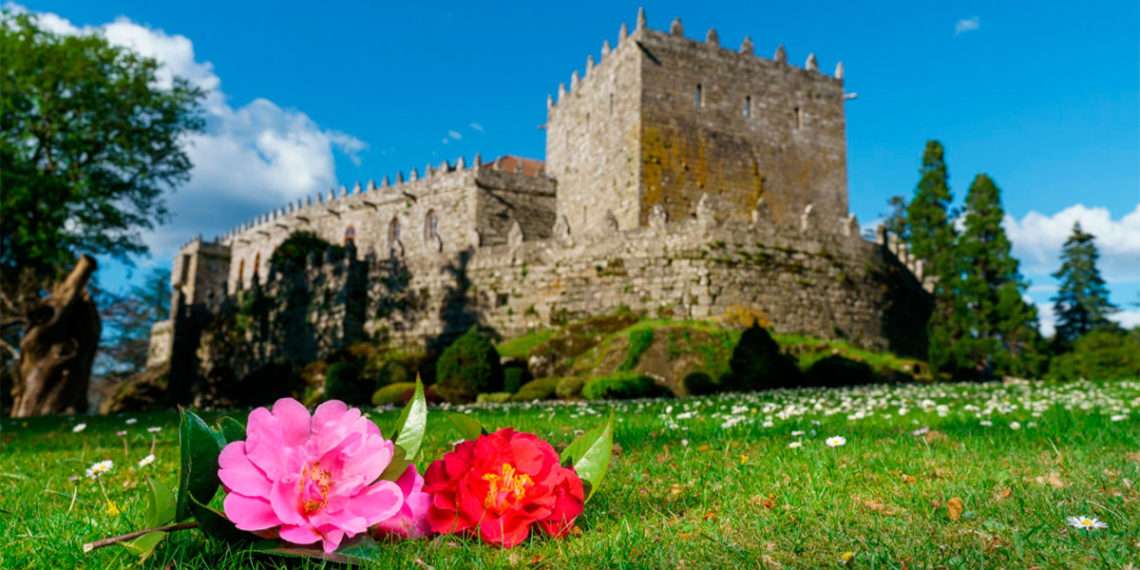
78 428
98 469
795 444
154 429
132 421
1084 522
836 441
1015 425
146 460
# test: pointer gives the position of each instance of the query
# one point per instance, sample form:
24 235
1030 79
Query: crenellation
676 28
811 64
746 47
781 55
712 39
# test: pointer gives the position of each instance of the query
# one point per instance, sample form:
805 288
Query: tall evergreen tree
930 233
1000 326
1081 304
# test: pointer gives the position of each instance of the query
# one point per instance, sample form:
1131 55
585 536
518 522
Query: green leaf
199 446
160 505
412 425
362 550
469 426
398 465
231 429
589 455
144 545
215 525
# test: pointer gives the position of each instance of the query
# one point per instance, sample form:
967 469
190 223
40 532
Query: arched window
698 97
431 227
747 110
349 234
799 118
241 274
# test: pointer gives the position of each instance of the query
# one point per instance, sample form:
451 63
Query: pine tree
1000 327
930 234
1081 304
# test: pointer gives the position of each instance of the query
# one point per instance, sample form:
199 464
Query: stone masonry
682 179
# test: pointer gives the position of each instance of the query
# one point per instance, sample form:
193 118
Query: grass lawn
938 475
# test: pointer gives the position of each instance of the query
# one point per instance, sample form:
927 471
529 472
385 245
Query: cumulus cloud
1037 239
249 159
967 25
476 127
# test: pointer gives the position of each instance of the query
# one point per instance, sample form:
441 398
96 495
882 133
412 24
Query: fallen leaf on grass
1002 494
766 502
954 508
710 515
875 505
934 435
1133 456
1053 479
909 479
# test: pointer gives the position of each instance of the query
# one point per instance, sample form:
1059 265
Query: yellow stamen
510 482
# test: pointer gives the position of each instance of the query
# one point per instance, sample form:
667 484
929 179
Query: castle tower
199 274
663 119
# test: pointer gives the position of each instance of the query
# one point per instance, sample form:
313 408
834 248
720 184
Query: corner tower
663 119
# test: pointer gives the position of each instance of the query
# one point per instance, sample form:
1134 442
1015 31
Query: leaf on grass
160 505
412 425
231 429
199 446
1002 494
144 545
876 505
1053 479
589 455
954 508
469 427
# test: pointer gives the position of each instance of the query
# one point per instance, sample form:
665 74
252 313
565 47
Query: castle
681 178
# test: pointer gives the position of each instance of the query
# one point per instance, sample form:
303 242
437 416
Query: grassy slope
685 491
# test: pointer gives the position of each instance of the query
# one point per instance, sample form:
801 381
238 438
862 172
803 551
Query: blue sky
1044 97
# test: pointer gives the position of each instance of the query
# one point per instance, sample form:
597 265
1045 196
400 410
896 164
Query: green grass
699 483
521 346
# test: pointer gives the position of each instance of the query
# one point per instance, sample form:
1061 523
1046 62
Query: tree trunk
58 348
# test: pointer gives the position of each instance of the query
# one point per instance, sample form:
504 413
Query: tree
896 222
929 231
999 327
89 142
127 322
1081 304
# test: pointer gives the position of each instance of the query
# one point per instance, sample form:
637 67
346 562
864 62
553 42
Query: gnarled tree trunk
58 348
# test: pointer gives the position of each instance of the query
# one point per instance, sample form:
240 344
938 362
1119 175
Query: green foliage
1102 354
835 370
1081 304
468 367
700 383
930 233
344 381
412 424
540 389
514 377
294 253
394 394
90 141
469 426
589 455
758 363
521 346
570 387
494 397
622 386
199 446
639 341
127 320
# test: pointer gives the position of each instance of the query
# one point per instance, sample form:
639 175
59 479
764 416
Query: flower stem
132 535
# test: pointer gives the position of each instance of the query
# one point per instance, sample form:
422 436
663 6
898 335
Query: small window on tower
611 103
747 110
698 97
799 118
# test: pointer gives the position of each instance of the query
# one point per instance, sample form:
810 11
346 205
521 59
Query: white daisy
146 460
1084 522
78 428
1015 425
154 429
98 469
132 421
121 433
836 441
795 444
1118 418
920 431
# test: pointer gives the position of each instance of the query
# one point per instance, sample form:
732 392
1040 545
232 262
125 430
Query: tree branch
133 535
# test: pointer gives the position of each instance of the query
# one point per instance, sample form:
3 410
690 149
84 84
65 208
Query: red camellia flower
500 484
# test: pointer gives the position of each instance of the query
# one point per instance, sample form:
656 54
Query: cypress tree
1000 327
1081 304
930 234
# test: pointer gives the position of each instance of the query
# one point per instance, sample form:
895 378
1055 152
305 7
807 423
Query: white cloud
476 126
249 159
967 25
1046 319
455 134
1037 240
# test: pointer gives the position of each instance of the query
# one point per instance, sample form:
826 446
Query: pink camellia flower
411 521
309 478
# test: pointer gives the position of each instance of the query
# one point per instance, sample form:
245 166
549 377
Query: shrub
835 370
293 253
394 394
468 367
639 341
1100 355
343 381
758 364
541 389
621 386
570 387
514 377
494 398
